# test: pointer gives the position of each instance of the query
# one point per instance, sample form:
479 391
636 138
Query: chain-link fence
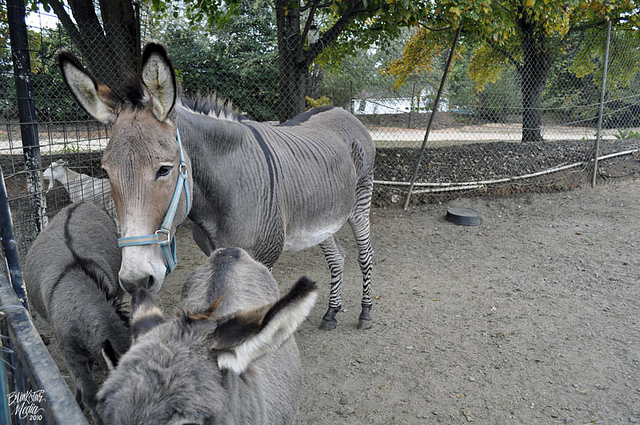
486 140
475 144
524 129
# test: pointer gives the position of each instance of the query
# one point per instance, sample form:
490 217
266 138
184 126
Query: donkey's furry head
206 367
142 159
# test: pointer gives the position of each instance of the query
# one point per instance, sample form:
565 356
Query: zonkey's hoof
365 324
328 325
329 321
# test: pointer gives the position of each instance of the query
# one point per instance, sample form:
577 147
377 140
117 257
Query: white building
394 105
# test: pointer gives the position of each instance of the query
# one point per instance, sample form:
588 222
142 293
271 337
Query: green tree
238 61
348 23
529 34
359 74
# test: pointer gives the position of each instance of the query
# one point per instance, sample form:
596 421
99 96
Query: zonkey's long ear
160 79
247 335
145 314
97 99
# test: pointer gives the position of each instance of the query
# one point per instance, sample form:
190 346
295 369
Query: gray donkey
71 275
229 358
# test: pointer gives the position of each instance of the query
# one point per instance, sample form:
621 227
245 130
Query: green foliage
485 67
626 134
498 28
321 101
417 58
69 148
462 91
368 22
383 22
360 74
48 89
500 100
237 61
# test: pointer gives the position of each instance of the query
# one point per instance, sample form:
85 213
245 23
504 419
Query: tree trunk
294 59
121 26
537 59
110 46
293 88
292 64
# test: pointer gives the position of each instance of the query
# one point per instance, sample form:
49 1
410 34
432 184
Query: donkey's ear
145 314
110 355
247 335
160 79
97 99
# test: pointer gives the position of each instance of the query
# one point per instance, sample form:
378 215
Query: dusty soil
533 317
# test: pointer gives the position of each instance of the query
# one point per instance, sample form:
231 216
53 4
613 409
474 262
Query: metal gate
32 391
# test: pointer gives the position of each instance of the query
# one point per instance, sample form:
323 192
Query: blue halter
163 236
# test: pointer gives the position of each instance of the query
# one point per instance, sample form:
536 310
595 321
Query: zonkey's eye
163 171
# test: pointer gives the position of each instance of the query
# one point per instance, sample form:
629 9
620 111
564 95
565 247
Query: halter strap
163 236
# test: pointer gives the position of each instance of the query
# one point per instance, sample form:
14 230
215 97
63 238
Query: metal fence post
26 109
601 111
9 245
432 116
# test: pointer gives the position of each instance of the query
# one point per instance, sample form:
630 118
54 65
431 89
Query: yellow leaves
321 101
530 3
582 64
485 67
416 57
455 10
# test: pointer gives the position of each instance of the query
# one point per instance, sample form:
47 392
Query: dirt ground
533 317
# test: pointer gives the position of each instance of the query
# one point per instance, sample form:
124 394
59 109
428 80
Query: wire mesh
475 146
487 138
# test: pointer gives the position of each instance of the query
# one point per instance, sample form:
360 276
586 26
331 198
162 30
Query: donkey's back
71 275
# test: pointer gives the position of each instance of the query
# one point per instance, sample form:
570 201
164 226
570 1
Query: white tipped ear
158 76
110 356
263 330
97 99
145 314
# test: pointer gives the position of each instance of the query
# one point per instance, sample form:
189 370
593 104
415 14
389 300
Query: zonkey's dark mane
211 105
208 105
134 91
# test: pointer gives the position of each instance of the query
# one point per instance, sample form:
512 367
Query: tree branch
425 26
355 8
590 25
67 23
307 25
506 54
315 5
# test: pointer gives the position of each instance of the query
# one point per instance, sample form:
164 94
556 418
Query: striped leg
361 226
334 254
